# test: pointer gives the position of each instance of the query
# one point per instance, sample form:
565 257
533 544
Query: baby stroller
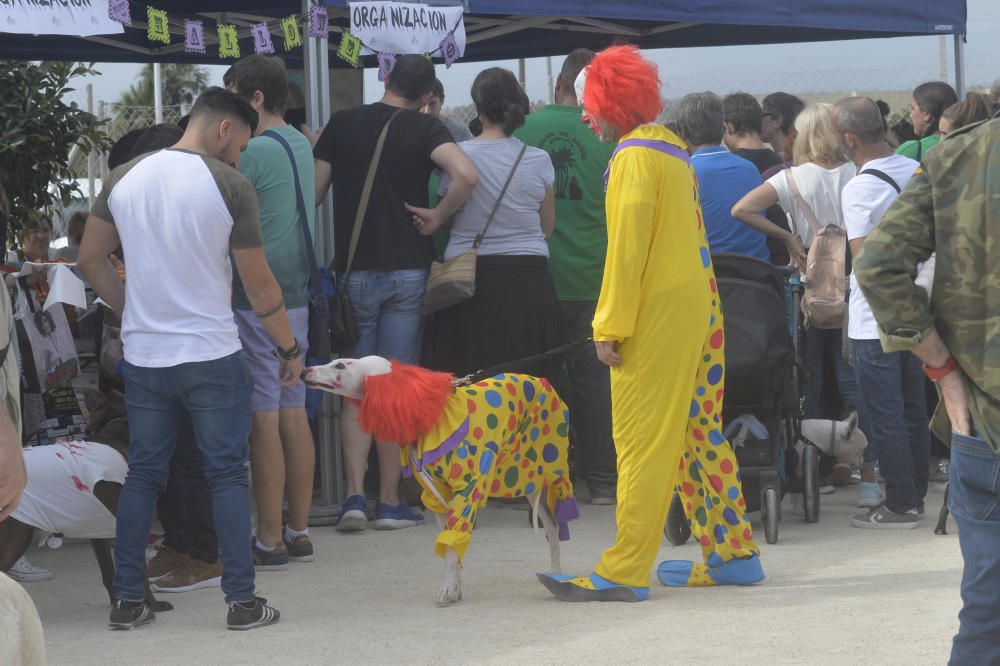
761 415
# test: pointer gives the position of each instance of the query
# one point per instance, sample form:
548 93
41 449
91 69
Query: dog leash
511 365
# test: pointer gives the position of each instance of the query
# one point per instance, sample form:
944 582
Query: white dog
502 437
843 440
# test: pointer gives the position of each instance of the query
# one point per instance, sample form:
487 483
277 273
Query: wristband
936 374
290 354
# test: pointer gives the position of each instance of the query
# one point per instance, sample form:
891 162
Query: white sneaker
24 572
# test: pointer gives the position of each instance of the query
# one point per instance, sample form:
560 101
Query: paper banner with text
292 33
66 17
229 41
158 29
396 27
119 10
194 36
350 48
262 43
386 61
319 22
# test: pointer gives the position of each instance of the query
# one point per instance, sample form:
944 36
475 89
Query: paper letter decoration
319 22
118 10
350 48
386 61
449 49
290 29
158 30
261 39
229 43
194 36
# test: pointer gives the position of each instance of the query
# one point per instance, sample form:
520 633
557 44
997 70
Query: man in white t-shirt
891 383
179 214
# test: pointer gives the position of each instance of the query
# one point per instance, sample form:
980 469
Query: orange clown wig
622 89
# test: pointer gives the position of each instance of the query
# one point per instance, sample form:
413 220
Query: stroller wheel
770 513
677 530
810 473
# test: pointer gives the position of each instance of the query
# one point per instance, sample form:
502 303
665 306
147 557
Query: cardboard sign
229 42
79 18
194 36
292 33
397 27
261 39
158 30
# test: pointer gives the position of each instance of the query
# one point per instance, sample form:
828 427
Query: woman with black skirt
515 312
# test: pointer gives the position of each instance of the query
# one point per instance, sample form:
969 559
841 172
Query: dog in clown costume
501 437
659 326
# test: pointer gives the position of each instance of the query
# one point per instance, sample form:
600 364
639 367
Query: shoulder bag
453 281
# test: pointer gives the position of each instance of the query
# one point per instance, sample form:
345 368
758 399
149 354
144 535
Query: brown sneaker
192 574
166 560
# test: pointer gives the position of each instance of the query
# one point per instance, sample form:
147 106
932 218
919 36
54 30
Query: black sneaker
300 549
882 518
269 560
129 614
251 614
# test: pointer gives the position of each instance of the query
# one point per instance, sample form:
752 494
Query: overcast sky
885 64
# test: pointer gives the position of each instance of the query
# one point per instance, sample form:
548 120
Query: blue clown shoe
590 588
684 573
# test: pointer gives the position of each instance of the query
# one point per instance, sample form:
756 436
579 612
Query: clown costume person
659 326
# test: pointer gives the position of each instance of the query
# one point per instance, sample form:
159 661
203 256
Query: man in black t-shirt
386 281
744 119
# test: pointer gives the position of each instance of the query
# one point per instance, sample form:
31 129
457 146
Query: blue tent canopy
499 29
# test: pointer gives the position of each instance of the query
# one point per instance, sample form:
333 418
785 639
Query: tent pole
157 93
326 507
91 161
960 66
520 71
548 71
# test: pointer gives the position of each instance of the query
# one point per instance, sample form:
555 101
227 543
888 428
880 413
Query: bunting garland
290 28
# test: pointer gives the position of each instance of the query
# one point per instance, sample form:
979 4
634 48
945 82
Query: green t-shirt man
917 149
578 246
265 164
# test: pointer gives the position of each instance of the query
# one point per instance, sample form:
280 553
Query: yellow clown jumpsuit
659 301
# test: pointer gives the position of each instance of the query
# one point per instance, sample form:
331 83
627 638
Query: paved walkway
834 595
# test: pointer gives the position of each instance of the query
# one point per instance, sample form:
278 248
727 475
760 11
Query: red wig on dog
403 405
622 89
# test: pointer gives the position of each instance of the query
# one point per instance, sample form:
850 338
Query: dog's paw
449 594
161 606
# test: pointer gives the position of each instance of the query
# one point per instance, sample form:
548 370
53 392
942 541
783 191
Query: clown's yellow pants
666 406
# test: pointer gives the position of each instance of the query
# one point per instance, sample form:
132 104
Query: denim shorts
387 305
260 357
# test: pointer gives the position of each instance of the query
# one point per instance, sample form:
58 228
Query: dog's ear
852 424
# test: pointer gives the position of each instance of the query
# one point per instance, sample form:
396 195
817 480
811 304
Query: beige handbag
454 281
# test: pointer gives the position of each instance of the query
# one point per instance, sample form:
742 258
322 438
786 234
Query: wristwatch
936 374
290 354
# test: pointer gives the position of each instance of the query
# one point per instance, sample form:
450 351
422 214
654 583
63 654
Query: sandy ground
834 595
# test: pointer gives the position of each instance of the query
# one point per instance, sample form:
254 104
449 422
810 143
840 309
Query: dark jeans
892 386
589 402
185 507
974 502
216 395
823 345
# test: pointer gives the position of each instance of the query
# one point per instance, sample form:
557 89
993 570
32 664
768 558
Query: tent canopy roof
503 29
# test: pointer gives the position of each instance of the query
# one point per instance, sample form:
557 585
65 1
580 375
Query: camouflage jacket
951 207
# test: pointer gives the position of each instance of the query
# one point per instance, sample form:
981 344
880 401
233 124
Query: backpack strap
884 177
803 204
655 144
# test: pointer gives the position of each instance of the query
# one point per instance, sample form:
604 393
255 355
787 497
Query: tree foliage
181 85
37 131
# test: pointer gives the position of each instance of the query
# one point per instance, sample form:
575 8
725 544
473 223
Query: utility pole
548 70
157 93
520 71
943 57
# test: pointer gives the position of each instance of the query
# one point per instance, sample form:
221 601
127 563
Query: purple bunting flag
386 61
449 49
319 22
261 39
118 10
194 36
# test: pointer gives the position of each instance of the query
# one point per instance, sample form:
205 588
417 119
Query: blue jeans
974 502
821 343
216 394
589 400
892 386
387 306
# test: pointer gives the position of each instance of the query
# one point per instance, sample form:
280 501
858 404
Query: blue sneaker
353 516
397 517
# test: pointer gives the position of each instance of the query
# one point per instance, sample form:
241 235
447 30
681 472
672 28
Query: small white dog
843 440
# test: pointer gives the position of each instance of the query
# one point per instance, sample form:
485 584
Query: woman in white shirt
515 312
821 171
